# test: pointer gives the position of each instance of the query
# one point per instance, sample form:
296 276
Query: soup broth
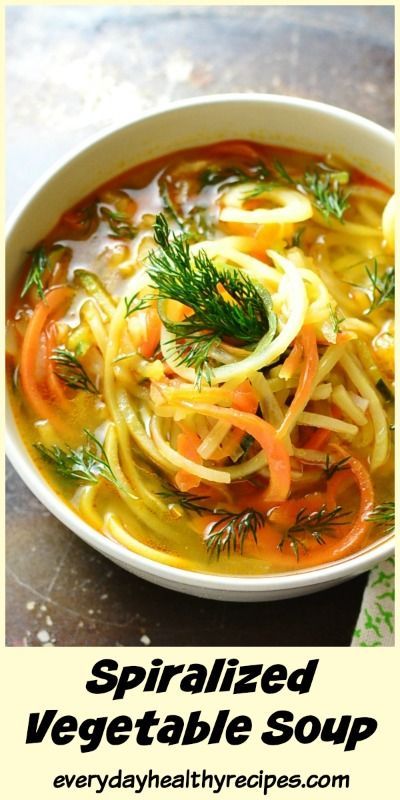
200 359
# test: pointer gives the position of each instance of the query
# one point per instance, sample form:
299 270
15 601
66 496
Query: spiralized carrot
54 383
318 439
292 362
355 538
308 342
266 435
53 301
244 398
148 345
187 444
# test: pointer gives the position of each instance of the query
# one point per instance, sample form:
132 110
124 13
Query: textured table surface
70 72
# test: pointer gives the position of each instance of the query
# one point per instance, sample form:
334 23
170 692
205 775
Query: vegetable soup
200 359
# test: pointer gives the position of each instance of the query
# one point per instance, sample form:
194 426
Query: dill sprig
327 194
382 287
324 186
188 501
39 262
119 223
231 531
245 316
169 206
222 176
316 524
227 533
71 371
259 189
198 223
283 173
86 464
296 240
335 319
132 304
336 466
383 515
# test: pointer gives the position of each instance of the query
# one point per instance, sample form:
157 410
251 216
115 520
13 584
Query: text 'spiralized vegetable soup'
200 359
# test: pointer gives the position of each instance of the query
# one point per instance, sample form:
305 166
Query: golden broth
268 451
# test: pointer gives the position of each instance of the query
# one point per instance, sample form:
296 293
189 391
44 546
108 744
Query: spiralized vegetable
244 429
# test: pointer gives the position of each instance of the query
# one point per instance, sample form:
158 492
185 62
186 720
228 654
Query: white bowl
270 119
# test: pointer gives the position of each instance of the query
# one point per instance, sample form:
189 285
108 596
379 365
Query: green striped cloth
375 624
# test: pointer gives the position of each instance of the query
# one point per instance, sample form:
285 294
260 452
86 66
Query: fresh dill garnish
227 533
335 319
228 175
198 223
259 189
296 241
331 468
39 262
294 542
169 206
319 522
132 304
188 501
383 515
71 371
231 531
119 223
316 524
246 315
247 441
84 216
193 350
86 464
327 194
283 173
382 287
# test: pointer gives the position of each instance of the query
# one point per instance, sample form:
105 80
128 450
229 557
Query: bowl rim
21 460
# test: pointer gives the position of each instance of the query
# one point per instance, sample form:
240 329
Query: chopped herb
119 224
385 391
39 262
283 173
382 287
132 304
190 502
335 319
231 531
260 189
296 241
224 176
247 441
169 206
315 524
383 515
71 371
227 533
87 464
200 223
327 195
246 317
337 466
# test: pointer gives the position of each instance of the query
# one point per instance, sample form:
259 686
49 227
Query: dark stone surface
71 71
